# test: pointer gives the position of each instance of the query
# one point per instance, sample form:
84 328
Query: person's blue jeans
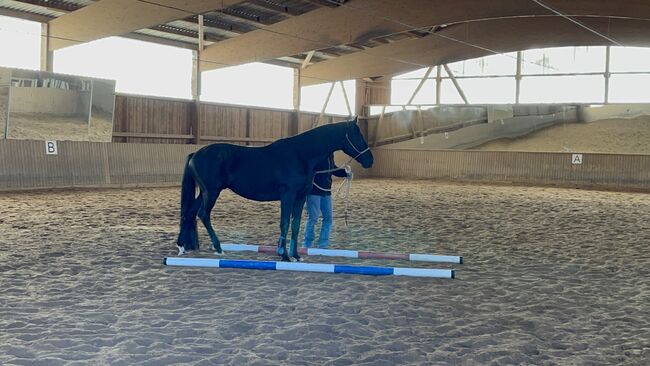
317 205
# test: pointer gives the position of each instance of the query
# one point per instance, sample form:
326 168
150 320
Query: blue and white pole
309 267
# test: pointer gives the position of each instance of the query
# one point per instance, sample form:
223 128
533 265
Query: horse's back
257 173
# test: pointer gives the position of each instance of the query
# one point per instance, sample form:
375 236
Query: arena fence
606 171
27 165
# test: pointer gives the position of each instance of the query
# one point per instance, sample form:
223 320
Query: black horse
283 170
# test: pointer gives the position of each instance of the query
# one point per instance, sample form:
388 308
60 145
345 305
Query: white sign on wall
51 148
576 159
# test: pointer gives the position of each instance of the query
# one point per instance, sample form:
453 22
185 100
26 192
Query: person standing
319 202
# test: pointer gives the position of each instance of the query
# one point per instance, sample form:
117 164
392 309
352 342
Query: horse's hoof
181 251
297 258
219 254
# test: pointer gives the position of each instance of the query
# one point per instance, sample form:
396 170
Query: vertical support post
421 120
422 81
296 90
345 96
47 56
381 119
196 84
248 125
6 126
438 83
607 74
518 78
361 98
453 80
411 124
5 88
360 106
294 123
327 100
90 104
201 35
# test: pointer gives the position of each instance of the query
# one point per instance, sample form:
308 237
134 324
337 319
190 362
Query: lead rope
347 182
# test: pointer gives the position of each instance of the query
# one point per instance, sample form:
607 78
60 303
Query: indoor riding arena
501 217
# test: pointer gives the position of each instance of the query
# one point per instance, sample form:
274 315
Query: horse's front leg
296 216
286 205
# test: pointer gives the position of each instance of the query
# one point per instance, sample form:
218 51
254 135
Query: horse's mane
330 131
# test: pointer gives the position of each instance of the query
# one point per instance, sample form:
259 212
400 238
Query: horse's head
355 145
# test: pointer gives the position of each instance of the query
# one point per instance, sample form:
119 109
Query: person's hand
348 172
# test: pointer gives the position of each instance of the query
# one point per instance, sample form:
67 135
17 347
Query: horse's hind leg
191 236
286 205
209 199
296 216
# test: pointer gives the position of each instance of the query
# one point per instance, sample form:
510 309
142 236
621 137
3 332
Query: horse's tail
188 238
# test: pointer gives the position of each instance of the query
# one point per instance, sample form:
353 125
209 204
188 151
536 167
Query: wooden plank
151 135
500 36
237 139
164 120
356 21
116 17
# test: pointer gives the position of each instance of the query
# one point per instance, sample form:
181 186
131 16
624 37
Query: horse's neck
320 143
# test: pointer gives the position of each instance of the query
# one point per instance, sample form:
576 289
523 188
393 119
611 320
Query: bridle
346 166
359 153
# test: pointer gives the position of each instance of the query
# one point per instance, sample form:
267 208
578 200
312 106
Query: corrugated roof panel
29 8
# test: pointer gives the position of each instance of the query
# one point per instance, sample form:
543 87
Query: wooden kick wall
600 171
24 164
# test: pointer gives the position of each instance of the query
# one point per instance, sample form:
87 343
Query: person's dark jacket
324 180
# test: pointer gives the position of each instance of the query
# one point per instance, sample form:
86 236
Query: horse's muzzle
367 162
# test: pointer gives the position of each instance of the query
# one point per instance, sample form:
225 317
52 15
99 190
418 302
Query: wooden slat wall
307 120
153 116
269 124
224 121
400 125
170 121
394 124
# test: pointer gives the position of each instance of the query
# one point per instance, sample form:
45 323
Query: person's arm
340 172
